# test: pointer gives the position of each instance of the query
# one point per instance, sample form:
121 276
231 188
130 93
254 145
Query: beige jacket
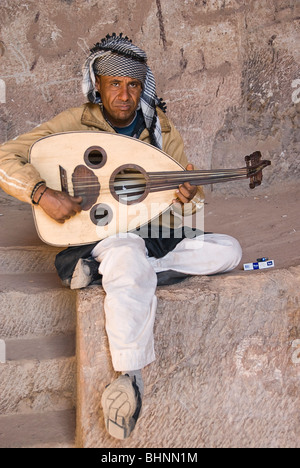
18 177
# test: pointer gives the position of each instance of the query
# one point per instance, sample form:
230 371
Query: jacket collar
92 116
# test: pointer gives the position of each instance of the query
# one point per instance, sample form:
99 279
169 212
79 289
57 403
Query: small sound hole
95 157
101 215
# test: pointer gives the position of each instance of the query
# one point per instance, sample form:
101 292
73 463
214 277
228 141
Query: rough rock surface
229 70
227 375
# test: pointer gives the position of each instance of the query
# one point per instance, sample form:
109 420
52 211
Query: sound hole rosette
95 157
129 184
101 215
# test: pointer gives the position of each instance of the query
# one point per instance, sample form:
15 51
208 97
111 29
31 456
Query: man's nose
124 94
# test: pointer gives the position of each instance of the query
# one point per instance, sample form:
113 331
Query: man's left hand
186 191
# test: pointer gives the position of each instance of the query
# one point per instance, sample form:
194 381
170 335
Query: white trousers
130 281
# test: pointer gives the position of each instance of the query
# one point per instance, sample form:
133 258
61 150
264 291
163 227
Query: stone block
227 367
33 386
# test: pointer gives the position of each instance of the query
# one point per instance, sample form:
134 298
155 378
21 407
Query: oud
125 183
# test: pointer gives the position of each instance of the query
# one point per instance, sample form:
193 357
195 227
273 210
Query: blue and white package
259 265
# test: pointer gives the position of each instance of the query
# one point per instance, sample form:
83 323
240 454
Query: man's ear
98 84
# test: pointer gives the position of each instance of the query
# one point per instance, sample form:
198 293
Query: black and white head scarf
117 56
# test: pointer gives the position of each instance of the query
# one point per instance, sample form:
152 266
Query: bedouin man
121 91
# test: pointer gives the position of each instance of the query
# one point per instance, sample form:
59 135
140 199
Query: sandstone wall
226 373
229 70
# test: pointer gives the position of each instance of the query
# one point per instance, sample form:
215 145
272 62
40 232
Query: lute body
124 183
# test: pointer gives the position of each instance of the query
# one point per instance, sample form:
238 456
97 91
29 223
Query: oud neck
160 181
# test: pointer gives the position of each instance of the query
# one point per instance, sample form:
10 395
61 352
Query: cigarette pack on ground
259 265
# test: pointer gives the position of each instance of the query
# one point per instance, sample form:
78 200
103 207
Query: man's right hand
58 205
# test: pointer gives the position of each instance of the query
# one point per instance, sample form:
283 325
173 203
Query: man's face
120 97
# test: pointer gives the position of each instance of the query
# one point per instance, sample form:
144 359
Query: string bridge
63 180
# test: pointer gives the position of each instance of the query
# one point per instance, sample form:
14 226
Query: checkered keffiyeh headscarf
117 56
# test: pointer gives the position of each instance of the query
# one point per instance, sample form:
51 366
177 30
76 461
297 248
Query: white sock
138 378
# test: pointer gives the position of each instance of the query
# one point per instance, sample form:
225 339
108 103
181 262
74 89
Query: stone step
48 347
37 386
39 375
55 429
18 260
17 226
37 329
227 365
35 305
